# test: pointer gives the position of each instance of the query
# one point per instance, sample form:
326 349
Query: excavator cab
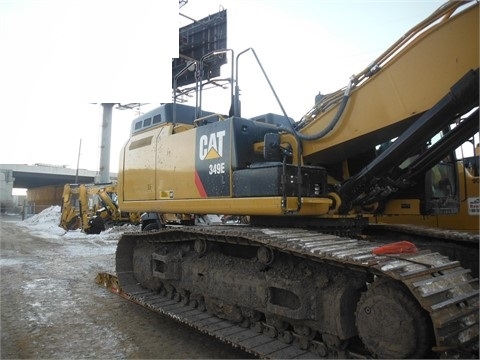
446 182
445 194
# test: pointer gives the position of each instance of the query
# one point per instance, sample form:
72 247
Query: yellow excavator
92 207
363 221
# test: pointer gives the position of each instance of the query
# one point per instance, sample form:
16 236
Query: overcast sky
60 58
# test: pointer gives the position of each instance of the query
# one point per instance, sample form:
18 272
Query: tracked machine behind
319 268
92 207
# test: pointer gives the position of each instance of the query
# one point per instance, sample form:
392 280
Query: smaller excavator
92 208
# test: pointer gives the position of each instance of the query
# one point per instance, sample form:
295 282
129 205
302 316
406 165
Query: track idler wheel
391 324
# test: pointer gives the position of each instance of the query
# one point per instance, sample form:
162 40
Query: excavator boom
404 82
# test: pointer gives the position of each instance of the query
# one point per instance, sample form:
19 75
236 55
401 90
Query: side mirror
271 149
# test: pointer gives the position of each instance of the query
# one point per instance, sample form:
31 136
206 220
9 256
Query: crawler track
459 245
249 340
439 287
437 233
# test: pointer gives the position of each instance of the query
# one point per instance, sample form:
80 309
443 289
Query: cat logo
211 146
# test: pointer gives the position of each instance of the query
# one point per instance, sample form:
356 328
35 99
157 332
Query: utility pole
104 171
78 161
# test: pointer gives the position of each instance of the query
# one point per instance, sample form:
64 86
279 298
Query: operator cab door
447 183
441 184
441 189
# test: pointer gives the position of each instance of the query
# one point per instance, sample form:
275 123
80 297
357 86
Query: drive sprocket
390 324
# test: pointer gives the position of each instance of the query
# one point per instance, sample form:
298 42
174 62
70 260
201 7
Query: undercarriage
322 294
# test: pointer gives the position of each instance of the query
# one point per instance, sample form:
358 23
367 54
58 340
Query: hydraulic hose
333 123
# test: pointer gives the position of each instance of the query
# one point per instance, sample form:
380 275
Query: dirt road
52 308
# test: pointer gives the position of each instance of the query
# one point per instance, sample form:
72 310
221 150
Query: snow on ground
46 225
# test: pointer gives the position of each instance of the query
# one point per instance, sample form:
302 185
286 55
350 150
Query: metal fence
26 210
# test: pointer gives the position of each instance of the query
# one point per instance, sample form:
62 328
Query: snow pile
51 214
45 222
46 225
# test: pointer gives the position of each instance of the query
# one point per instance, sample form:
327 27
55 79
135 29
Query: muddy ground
52 308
